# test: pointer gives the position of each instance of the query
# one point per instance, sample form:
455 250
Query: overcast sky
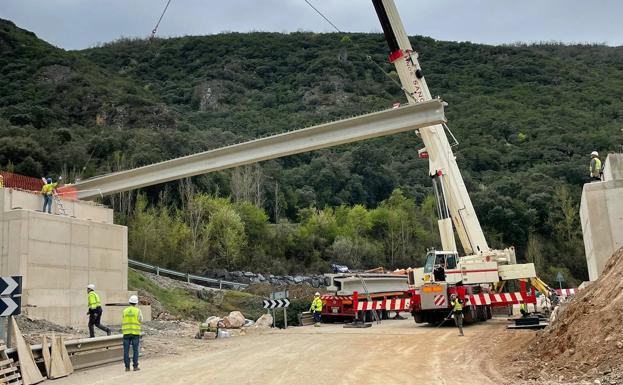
75 24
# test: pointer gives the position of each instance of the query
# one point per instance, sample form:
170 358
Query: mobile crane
479 276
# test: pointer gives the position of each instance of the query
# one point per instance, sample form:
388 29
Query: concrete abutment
58 255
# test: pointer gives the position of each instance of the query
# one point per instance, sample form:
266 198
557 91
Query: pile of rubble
585 341
234 324
276 280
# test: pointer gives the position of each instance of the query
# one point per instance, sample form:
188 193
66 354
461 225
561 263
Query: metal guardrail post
220 284
157 270
187 277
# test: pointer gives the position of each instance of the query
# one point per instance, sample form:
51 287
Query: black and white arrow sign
10 306
10 285
275 303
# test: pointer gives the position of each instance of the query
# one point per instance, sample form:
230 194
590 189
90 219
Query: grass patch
187 305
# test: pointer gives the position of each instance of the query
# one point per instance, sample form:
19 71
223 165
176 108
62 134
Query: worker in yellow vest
131 330
595 167
316 309
48 192
457 312
523 308
95 311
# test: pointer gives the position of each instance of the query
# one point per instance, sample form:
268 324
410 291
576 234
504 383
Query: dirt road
396 352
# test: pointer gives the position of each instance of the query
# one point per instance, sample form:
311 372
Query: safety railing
16 181
205 281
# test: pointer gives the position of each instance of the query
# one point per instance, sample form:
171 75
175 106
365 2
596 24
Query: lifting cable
153 31
368 57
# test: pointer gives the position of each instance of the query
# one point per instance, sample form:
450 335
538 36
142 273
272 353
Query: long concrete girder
354 129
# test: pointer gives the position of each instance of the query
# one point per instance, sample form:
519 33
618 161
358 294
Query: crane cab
442 266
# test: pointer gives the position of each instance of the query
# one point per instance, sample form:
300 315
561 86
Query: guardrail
85 352
211 282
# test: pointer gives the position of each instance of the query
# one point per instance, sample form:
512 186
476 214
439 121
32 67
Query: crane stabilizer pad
357 325
540 325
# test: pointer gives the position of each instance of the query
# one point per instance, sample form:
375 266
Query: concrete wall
59 255
613 167
601 216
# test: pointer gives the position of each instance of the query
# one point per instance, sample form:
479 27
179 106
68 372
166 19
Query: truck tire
418 318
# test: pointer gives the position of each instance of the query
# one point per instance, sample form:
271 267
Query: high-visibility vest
523 307
456 305
597 167
48 188
316 304
94 300
130 323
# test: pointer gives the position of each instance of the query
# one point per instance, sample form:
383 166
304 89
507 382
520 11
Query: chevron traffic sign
10 306
276 303
10 285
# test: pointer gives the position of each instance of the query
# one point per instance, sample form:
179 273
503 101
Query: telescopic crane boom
453 202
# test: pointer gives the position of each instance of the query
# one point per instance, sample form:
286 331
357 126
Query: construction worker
131 330
316 309
95 311
457 312
48 192
523 309
595 167
1 181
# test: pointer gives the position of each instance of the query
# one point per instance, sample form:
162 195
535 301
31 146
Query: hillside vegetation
526 118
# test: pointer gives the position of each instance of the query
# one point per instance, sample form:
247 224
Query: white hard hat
133 299
91 286
595 153
317 294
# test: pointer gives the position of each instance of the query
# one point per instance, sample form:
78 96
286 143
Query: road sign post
10 304
278 299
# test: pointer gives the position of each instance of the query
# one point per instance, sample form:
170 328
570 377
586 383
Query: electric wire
368 57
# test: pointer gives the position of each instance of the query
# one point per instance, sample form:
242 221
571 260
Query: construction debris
235 320
265 321
586 332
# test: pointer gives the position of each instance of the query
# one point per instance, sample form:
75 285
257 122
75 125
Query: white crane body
480 264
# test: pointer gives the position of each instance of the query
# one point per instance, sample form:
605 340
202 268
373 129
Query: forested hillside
526 118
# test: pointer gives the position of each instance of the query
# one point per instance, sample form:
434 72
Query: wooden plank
8 380
4 371
6 362
57 366
65 356
28 368
45 352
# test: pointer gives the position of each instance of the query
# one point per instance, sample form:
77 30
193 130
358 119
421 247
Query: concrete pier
59 255
601 216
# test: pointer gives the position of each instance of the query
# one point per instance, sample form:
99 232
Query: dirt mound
586 340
